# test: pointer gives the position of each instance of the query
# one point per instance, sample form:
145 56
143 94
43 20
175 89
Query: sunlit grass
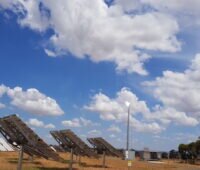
8 161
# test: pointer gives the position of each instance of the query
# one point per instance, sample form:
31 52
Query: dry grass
8 161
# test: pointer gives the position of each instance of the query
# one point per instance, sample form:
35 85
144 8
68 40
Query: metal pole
128 120
127 144
71 159
31 159
21 151
79 161
104 159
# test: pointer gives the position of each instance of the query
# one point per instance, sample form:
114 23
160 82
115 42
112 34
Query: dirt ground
8 161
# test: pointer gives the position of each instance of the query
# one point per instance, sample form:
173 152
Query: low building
147 154
129 155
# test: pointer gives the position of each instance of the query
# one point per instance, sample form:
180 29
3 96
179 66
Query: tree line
189 152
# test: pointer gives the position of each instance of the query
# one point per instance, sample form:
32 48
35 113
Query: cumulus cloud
31 13
114 128
50 53
175 6
112 136
179 91
128 5
148 127
91 28
37 123
186 137
79 122
86 122
3 90
186 15
71 123
169 115
50 126
32 101
2 105
143 118
94 132
114 109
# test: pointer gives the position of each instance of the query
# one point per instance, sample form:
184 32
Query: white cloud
50 53
168 115
30 13
185 14
3 90
128 5
7 3
175 6
79 122
186 137
2 105
37 123
144 119
94 132
114 128
112 136
91 28
86 122
179 91
50 126
32 101
148 127
114 109
72 123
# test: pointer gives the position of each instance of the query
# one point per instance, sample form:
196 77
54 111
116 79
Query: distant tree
192 147
173 154
189 151
193 152
183 150
198 145
164 155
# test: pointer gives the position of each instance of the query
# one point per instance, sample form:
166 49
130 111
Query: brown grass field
8 161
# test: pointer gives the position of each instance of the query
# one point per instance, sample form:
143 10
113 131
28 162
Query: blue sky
76 71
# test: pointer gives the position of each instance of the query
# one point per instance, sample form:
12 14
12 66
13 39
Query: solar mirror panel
17 133
71 142
67 139
65 144
102 145
76 141
58 148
